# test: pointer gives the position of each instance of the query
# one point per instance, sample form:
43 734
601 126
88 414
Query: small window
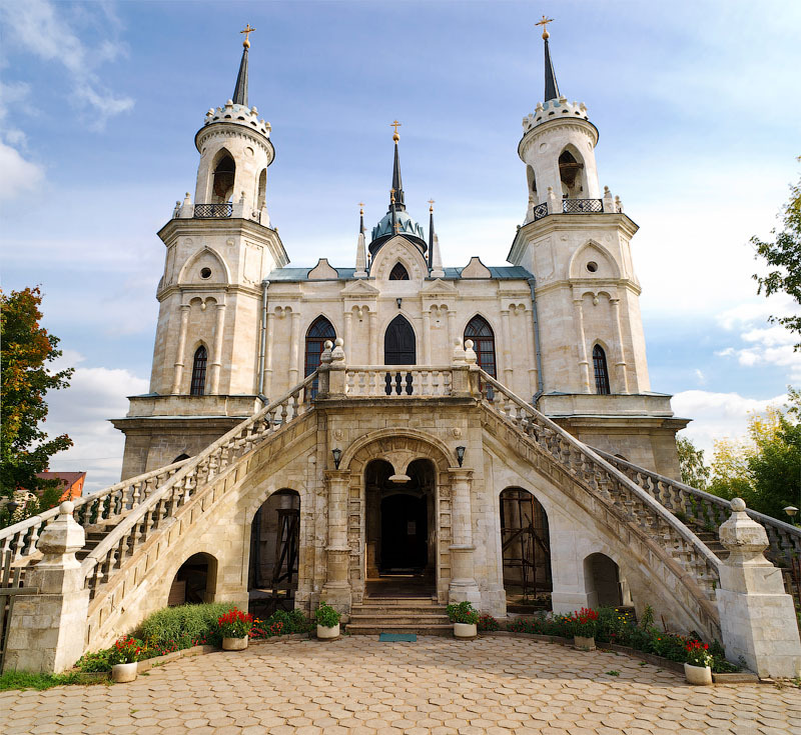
592 266
479 330
601 372
199 372
205 272
399 273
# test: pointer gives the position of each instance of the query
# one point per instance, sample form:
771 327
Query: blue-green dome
407 226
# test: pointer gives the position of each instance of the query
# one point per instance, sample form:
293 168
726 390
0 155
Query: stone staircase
420 615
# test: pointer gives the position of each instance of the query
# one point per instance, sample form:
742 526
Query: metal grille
540 211
582 206
207 211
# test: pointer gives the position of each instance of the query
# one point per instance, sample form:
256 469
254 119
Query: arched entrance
399 343
274 537
605 588
526 549
194 581
400 529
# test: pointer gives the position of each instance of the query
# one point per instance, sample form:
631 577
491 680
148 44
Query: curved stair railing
674 540
138 525
705 510
103 506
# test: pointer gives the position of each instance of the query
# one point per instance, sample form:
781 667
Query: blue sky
697 105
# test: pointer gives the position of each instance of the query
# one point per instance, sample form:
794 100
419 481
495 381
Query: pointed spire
397 183
361 247
437 270
241 89
430 233
551 86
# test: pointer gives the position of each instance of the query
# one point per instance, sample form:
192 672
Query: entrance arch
399 343
526 551
194 582
604 586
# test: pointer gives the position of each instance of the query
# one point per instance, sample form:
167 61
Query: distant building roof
504 272
69 478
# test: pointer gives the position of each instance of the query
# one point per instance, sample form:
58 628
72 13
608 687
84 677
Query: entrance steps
420 615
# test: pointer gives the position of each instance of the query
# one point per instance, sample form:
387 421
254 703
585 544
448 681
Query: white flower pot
123 673
235 644
698 675
583 644
465 630
328 633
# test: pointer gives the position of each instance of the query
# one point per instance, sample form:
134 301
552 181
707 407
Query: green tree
691 460
25 350
783 258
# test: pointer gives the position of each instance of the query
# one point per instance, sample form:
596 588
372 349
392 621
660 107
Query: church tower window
224 173
399 343
399 273
601 372
319 331
479 330
199 372
570 174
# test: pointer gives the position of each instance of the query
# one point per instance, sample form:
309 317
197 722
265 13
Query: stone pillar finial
187 211
744 538
61 539
458 352
469 353
325 357
338 353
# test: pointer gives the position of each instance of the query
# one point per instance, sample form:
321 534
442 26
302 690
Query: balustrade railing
706 510
582 206
211 211
540 211
164 501
635 504
20 539
397 380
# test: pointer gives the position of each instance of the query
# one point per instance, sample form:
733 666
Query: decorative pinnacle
395 125
248 30
361 207
544 23
392 196
430 205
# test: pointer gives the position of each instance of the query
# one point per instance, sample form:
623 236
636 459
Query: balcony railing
582 206
211 211
540 211
398 380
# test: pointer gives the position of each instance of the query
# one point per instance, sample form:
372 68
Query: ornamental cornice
530 136
230 288
595 286
233 130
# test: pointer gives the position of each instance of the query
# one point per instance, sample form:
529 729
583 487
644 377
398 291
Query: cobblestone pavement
437 685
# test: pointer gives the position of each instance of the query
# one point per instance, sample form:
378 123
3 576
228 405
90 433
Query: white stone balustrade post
460 382
336 385
463 584
757 617
187 209
471 359
47 631
324 371
336 590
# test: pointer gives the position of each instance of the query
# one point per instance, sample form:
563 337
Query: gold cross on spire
248 30
395 125
392 196
544 23
361 207
430 205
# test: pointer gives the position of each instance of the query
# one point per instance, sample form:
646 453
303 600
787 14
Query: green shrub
326 616
462 612
24 680
293 621
97 661
487 622
186 621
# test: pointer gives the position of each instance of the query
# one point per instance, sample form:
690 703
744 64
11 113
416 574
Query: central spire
397 183
551 87
241 89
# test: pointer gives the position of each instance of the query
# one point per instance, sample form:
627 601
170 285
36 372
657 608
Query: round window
592 266
206 272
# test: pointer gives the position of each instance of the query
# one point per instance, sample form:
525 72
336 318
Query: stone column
336 590
217 350
584 364
372 337
294 350
348 318
463 585
621 363
178 368
531 351
757 617
47 631
452 336
426 337
506 350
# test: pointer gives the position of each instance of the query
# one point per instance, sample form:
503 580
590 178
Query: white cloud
95 395
40 28
19 175
717 415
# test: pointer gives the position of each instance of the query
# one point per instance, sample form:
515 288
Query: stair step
361 629
399 620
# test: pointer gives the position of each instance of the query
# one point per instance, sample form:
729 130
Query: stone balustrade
397 380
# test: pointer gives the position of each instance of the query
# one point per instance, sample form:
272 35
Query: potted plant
123 658
234 627
585 626
698 667
464 618
327 621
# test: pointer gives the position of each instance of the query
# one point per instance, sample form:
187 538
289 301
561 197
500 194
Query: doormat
407 637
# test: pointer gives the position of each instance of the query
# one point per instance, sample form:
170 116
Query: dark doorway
401 533
399 343
193 581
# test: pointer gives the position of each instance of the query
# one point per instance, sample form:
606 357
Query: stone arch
605 585
404 445
194 579
399 250
572 172
222 174
208 257
395 332
593 252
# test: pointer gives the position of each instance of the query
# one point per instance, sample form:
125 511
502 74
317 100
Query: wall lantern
460 455
337 457
399 301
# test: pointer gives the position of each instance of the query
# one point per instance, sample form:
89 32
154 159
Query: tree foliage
691 460
783 257
25 350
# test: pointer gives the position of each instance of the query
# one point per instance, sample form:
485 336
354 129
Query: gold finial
248 30
430 205
544 23
392 196
361 207
395 125
397 226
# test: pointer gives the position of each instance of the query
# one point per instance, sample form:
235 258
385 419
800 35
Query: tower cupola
235 151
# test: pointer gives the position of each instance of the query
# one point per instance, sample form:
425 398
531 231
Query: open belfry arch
397 428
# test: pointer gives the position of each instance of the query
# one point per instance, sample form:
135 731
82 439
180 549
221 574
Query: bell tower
219 251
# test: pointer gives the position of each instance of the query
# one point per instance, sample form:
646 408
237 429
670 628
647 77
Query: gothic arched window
479 330
398 273
319 331
399 343
224 173
570 174
198 386
601 372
